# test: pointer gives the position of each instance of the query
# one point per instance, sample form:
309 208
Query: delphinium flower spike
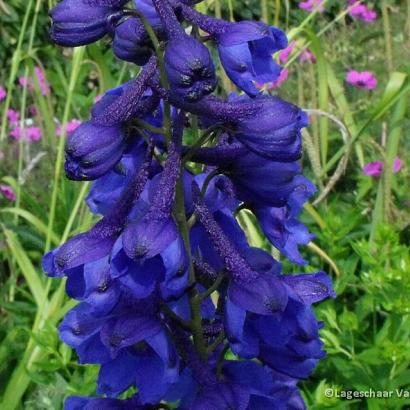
175 306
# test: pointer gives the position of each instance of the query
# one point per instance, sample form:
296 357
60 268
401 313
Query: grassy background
361 223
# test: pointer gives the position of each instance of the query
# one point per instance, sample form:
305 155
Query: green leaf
34 282
33 220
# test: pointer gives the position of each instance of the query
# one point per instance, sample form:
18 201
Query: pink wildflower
397 165
281 79
26 82
13 116
70 127
7 192
33 134
375 168
307 55
284 54
277 83
361 12
312 5
16 133
365 79
3 93
30 134
44 87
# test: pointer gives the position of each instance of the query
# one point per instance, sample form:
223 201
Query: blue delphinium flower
131 42
80 22
245 48
166 280
188 63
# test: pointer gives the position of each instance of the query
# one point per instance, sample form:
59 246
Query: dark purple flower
97 243
190 69
274 131
80 22
246 50
96 403
147 8
288 340
131 42
281 225
188 63
93 150
130 344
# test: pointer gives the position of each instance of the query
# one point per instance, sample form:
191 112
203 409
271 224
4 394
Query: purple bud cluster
174 305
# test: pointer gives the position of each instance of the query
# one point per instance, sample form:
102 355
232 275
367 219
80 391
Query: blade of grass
75 68
33 220
381 210
15 63
30 274
323 94
397 87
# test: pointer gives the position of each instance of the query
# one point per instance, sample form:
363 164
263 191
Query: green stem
217 342
392 149
277 13
204 138
194 303
211 289
264 11
15 63
76 65
387 35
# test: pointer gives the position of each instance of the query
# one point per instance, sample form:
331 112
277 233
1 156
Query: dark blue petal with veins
269 390
221 396
128 329
264 294
148 10
118 374
258 180
274 131
93 150
311 288
92 351
242 338
246 51
96 403
140 277
95 286
284 232
262 261
106 190
294 348
141 364
79 325
147 238
81 22
161 365
99 240
190 70
131 42
175 262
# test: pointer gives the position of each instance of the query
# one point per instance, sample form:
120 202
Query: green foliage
367 327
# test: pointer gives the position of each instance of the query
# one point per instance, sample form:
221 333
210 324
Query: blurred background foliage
361 223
